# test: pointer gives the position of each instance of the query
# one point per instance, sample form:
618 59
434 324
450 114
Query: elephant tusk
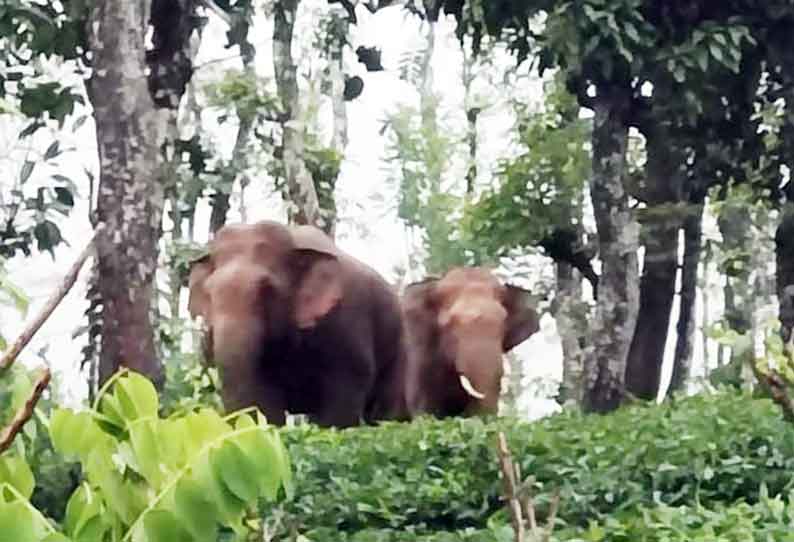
471 390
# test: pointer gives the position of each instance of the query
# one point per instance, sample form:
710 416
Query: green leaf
143 436
195 510
64 196
136 396
703 59
716 52
52 151
15 471
19 524
84 515
161 525
236 470
26 171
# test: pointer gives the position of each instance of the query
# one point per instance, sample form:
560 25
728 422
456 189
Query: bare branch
26 412
508 476
68 281
217 10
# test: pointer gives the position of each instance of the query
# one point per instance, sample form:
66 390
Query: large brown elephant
293 323
457 329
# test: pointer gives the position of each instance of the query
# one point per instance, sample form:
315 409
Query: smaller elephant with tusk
457 329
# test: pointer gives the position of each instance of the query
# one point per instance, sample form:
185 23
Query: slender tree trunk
735 226
304 205
472 113
662 190
784 259
130 196
618 232
685 343
339 138
657 291
571 321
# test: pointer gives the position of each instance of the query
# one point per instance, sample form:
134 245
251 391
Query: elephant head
258 284
462 324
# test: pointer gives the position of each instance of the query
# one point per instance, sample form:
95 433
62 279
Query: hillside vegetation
699 467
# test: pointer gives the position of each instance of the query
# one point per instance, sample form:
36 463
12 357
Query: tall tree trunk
571 319
130 133
784 259
618 232
472 113
662 189
735 226
220 200
303 204
339 139
685 343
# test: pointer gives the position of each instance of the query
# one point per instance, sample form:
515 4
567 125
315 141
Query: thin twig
528 506
553 507
24 414
508 476
66 284
215 8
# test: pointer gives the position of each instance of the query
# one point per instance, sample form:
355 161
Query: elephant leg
344 400
253 390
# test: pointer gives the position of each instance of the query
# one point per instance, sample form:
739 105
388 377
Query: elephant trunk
479 368
237 350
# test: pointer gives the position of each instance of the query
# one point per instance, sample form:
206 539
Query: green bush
442 476
191 476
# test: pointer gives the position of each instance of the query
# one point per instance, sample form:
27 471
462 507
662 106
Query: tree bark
735 226
570 316
304 205
685 343
339 138
131 110
472 113
657 291
618 232
784 259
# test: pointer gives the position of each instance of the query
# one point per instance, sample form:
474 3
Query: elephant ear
522 319
420 306
199 300
318 276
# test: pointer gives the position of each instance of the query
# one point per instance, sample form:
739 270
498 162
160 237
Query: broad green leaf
18 523
236 470
195 510
137 396
144 439
161 525
15 471
84 513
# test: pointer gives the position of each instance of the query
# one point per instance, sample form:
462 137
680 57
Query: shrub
441 476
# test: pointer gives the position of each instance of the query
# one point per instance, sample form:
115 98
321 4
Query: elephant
458 327
296 325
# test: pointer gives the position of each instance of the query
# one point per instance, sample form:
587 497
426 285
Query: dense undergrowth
713 467
438 480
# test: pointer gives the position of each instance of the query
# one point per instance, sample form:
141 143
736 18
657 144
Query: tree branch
511 494
68 281
26 412
217 10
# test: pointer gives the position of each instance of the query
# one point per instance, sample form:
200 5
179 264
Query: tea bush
442 476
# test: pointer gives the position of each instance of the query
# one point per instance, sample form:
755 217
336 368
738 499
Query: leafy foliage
537 191
186 477
442 476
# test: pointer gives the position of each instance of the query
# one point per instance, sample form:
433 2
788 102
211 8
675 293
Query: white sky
368 229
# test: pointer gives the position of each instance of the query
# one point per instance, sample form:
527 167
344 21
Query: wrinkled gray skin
294 324
457 329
